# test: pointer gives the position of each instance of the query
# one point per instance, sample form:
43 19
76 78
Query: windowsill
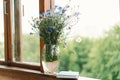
23 70
23 74
19 69
86 78
34 72
14 73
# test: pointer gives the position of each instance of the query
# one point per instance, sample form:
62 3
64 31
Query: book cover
68 74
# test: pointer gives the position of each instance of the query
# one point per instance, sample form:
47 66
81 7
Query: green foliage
50 53
98 58
1 50
30 48
75 54
104 58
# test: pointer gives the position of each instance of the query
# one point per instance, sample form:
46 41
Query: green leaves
99 58
50 53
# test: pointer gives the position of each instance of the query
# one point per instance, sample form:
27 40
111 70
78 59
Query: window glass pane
26 46
30 46
1 31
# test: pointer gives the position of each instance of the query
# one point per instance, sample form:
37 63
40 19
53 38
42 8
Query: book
68 75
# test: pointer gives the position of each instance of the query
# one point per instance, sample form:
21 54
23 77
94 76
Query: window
17 47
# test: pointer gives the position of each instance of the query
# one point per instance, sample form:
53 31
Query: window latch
5 7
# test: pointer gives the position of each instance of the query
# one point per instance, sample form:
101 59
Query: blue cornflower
61 14
56 6
48 12
64 10
51 28
40 34
77 13
69 27
41 14
37 22
56 13
68 16
31 33
60 8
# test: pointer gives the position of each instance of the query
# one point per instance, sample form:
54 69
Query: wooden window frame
44 5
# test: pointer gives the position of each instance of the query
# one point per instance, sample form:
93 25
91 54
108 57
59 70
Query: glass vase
51 58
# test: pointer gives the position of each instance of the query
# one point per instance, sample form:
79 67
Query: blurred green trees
97 58
75 55
30 48
1 50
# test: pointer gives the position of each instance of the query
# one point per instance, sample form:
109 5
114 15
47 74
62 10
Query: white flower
78 40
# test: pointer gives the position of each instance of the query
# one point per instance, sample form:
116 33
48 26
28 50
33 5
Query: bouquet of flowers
51 26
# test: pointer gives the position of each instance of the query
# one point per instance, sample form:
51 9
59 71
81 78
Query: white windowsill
86 78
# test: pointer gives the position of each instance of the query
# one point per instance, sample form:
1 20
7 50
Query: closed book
68 74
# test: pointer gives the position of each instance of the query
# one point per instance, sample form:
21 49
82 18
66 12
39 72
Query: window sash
8 35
